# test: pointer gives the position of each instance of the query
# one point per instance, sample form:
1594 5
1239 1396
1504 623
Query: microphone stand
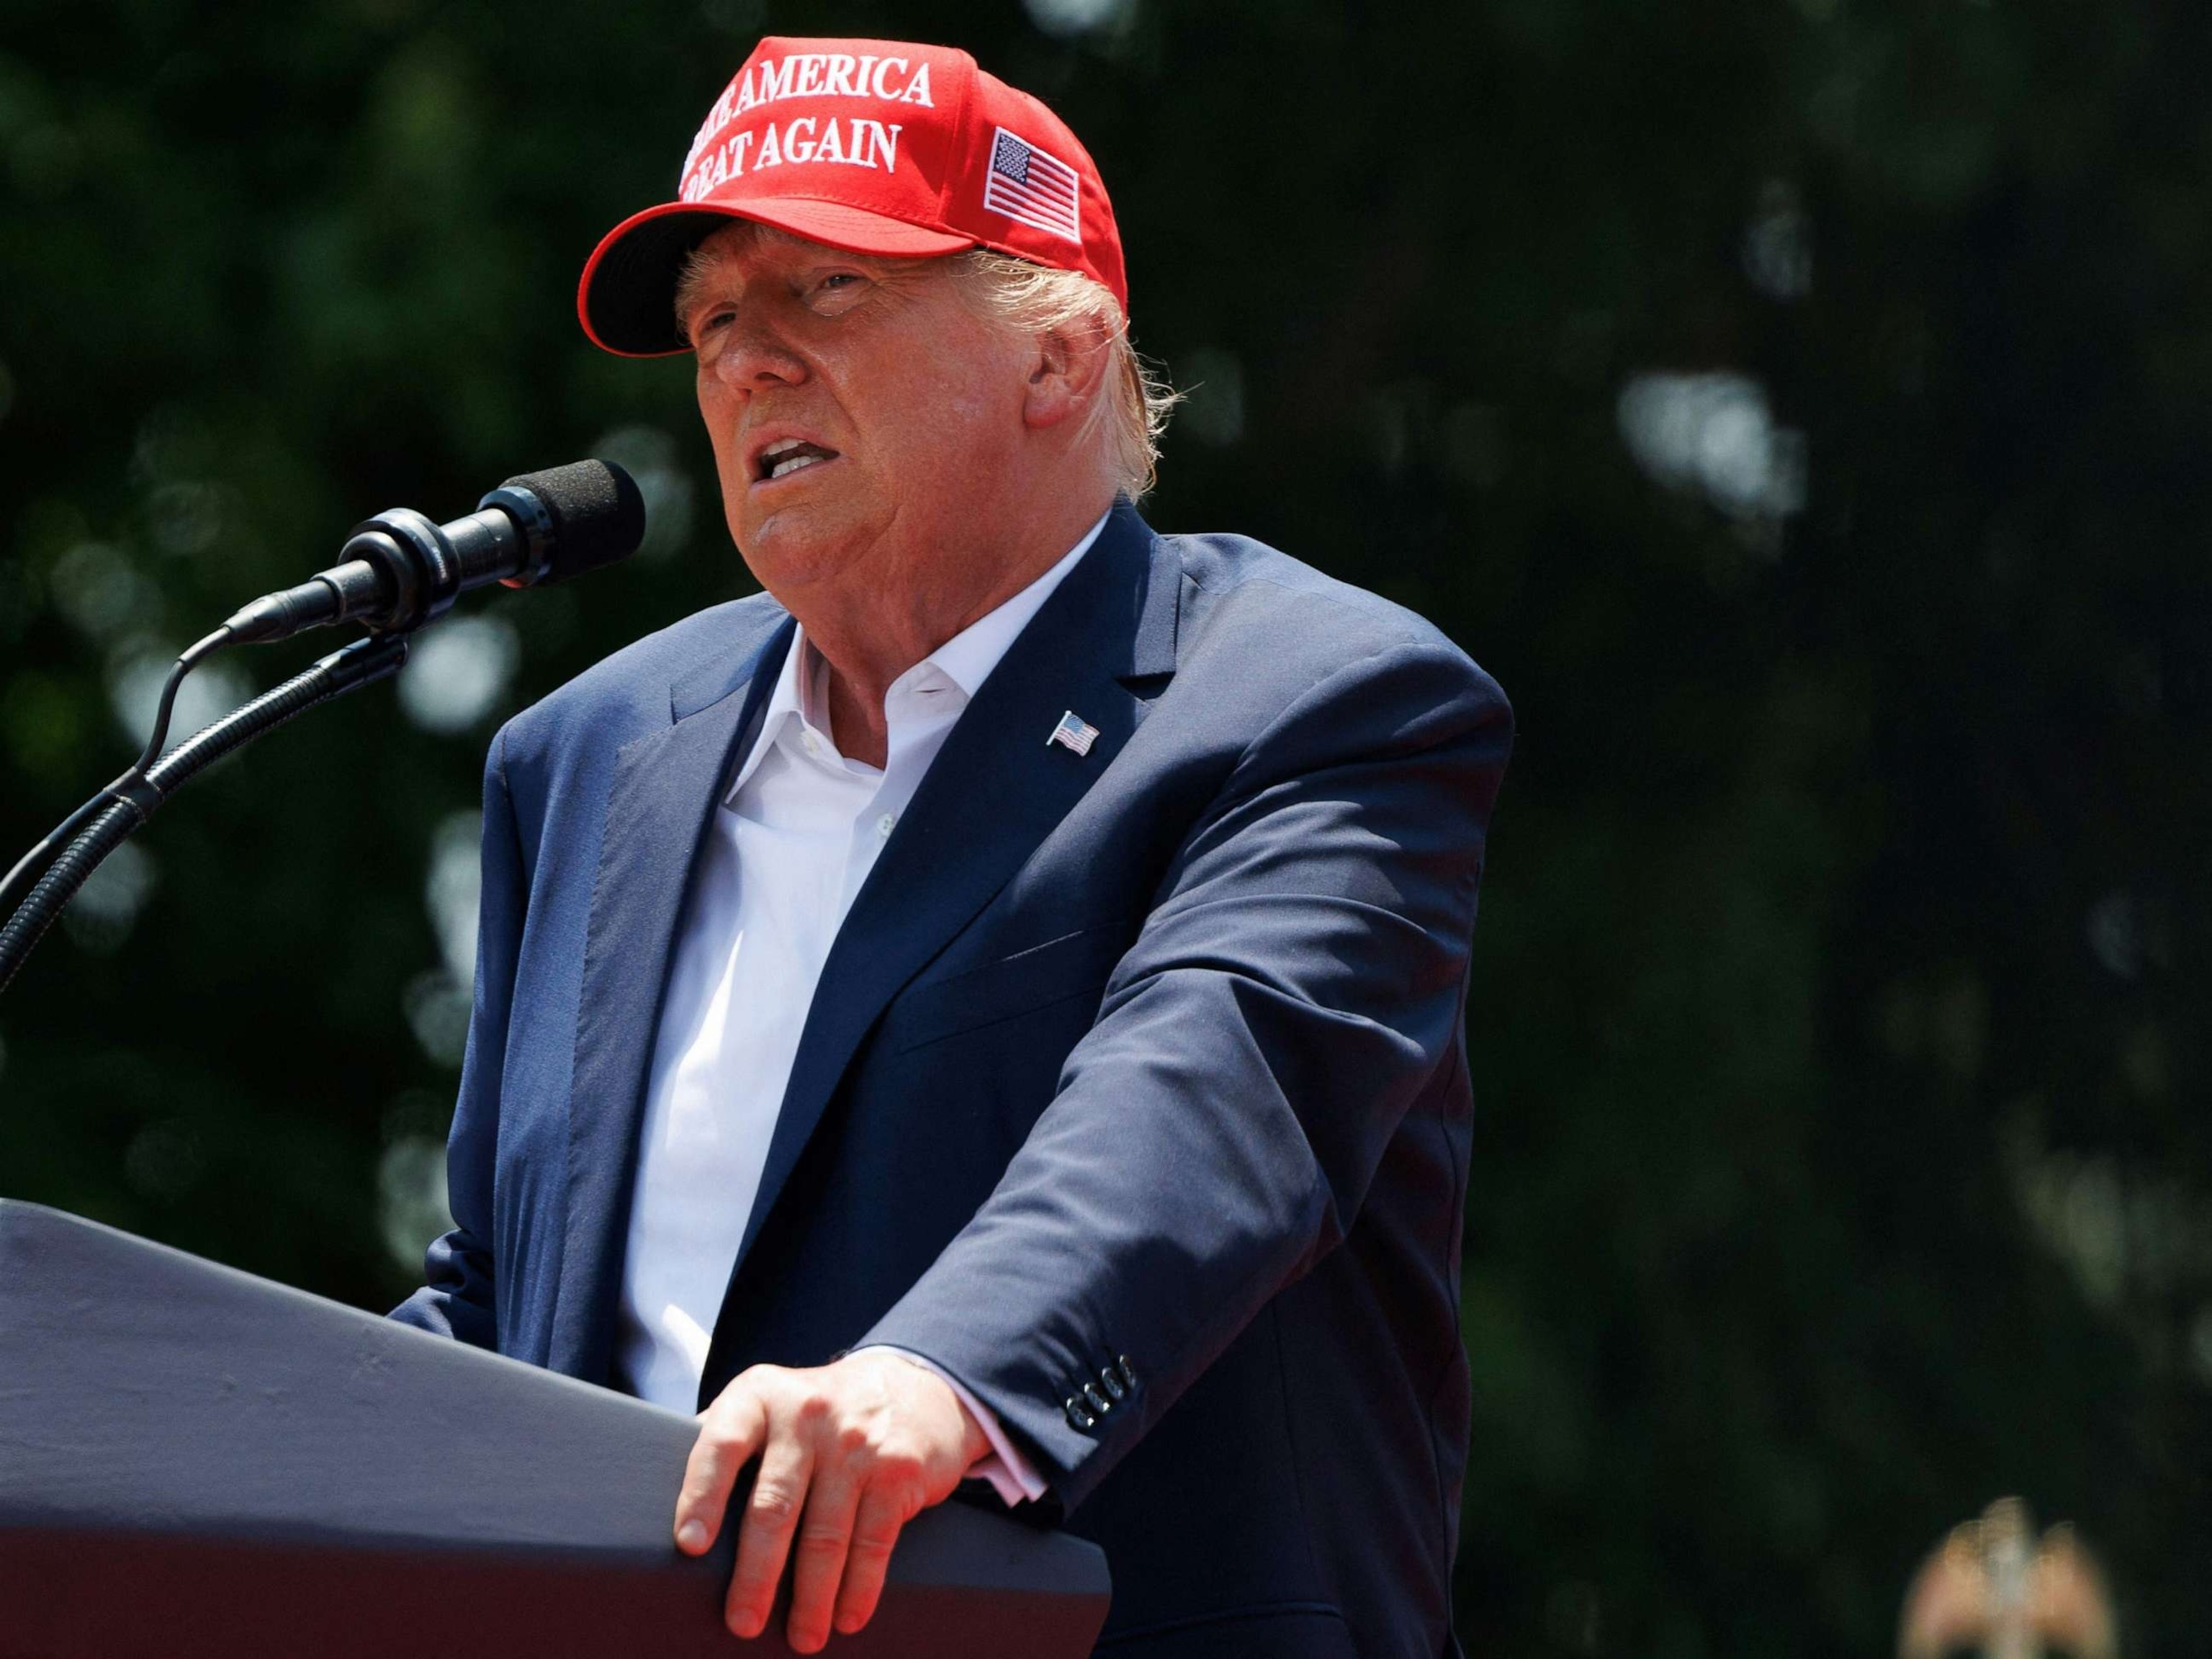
405 571
134 798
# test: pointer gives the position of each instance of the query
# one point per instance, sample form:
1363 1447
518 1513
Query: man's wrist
975 1442
999 1461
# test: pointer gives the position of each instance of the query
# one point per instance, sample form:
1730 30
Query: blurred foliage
1800 407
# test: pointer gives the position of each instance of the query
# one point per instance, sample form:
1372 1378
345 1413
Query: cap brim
627 300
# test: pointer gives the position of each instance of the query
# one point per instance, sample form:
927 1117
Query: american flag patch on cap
1075 732
1029 185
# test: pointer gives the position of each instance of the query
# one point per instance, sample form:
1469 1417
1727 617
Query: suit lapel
995 790
662 800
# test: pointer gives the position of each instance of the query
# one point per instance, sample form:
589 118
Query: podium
194 1462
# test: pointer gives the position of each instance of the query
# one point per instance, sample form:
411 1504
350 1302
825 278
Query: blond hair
1042 299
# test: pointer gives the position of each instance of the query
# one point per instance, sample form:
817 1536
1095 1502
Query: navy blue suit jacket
1155 1052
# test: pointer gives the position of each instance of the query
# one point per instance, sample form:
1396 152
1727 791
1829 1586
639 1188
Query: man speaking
990 1006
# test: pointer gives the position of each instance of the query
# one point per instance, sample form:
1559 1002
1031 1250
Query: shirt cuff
1010 1473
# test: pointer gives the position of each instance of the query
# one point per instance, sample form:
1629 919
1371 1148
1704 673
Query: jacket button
1099 1402
1077 1416
1128 1377
1115 1387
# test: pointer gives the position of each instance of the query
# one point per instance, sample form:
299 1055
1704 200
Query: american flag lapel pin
1073 733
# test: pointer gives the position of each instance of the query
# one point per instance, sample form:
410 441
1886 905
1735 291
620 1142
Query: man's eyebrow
694 288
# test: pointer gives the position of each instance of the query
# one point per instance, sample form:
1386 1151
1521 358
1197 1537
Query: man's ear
1067 372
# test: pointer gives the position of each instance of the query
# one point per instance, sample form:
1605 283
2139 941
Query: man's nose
750 357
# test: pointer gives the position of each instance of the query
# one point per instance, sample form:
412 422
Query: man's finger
764 1539
729 1435
868 1557
818 1556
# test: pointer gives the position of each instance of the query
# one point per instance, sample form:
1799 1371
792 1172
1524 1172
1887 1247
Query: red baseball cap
872 146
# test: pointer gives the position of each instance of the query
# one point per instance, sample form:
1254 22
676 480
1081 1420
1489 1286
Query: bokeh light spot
99 918
460 670
1714 434
1070 17
450 892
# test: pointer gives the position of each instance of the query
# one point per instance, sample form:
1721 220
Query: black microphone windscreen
598 516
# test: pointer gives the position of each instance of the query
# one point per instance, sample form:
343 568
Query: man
990 1006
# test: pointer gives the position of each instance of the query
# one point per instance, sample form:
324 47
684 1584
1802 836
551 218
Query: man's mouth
788 455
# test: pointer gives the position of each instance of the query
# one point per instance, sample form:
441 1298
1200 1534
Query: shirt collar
801 691
967 657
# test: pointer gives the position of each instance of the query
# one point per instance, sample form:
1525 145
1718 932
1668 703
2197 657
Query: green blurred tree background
1800 407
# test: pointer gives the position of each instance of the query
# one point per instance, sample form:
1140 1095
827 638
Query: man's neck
873 633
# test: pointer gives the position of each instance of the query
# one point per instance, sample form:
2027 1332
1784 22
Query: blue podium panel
197 1461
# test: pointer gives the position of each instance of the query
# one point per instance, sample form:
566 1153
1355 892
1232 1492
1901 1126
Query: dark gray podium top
195 1461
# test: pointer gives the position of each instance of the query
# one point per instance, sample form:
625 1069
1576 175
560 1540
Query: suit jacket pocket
1074 964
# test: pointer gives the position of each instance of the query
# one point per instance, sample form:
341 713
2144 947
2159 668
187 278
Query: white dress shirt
795 837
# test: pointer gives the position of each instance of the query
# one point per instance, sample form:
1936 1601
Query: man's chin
799 544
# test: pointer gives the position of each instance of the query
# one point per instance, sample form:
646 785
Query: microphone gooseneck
398 570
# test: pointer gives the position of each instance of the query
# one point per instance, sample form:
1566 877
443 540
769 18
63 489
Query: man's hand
849 1452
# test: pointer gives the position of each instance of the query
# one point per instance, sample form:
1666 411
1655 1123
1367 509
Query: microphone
400 570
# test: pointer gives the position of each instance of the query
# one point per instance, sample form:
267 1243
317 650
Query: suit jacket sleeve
457 1298
1298 979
